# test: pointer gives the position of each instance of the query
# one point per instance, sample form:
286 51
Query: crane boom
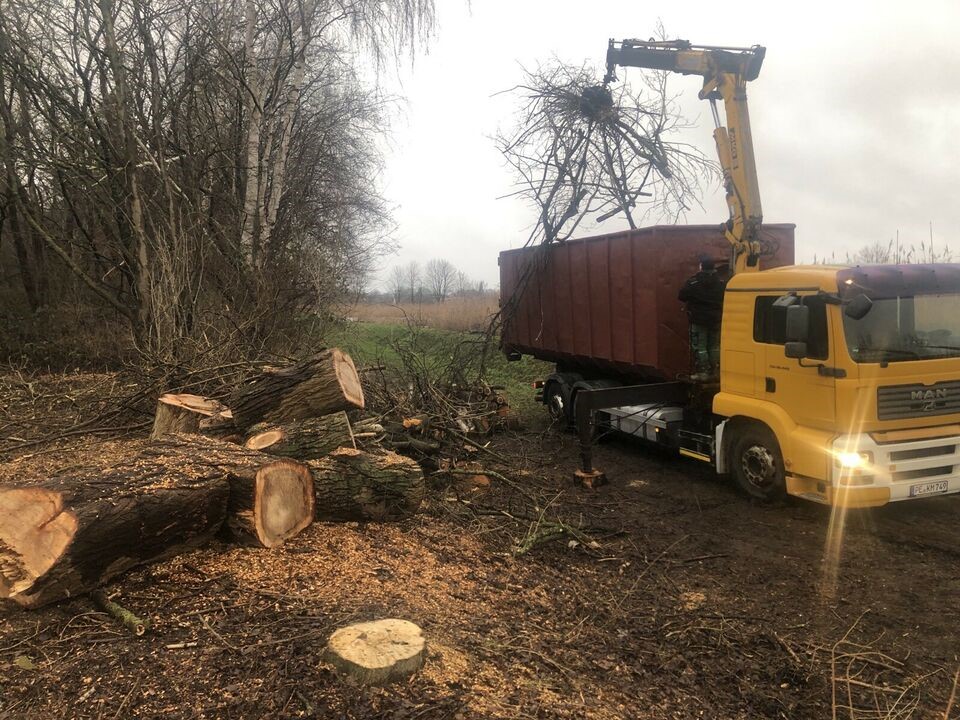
725 72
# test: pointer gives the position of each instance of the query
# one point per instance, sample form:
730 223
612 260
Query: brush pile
434 402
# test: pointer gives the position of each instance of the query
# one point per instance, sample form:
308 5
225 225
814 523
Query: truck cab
841 385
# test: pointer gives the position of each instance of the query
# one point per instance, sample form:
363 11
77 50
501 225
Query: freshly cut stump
67 535
326 383
378 652
185 413
306 439
356 485
270 500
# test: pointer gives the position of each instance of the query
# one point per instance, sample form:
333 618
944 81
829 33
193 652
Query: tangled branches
581 149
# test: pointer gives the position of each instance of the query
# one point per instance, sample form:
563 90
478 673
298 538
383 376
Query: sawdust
692 600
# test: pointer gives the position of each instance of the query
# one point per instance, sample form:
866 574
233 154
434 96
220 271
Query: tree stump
306 439
182 413
377 486
326 383
379 652
270 500
67 535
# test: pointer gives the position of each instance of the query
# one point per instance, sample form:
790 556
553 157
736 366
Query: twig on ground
126 618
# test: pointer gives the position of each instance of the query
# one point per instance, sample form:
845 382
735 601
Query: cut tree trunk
378 652
270 500
378 486
67 535
326 383
182 413
306 439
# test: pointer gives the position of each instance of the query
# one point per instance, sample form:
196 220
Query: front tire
757 464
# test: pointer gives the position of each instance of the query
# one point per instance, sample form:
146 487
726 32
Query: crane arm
725 72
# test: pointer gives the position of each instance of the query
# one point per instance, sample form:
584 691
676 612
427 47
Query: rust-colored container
609 303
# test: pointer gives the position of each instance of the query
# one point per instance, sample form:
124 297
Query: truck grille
910 401
921 473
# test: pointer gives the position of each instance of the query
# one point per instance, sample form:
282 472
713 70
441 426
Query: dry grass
461 314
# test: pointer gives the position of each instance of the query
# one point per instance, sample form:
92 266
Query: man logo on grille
930 399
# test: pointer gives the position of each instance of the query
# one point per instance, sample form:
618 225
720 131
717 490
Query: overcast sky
855 116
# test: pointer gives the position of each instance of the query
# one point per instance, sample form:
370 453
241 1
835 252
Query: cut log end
348 377
284 501
265 440
378 652
35 531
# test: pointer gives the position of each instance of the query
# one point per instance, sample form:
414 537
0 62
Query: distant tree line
196 170
436 281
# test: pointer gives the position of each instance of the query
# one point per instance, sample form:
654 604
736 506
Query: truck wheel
556 406
757 464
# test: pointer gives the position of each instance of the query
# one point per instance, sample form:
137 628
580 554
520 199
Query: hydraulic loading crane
725 72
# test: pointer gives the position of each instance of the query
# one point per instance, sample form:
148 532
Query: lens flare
849 459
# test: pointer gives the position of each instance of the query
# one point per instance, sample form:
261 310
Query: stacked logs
259 471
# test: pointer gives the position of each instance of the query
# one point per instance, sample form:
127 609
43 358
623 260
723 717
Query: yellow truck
857 402
836 384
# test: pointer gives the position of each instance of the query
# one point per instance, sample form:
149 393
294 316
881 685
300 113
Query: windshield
905 328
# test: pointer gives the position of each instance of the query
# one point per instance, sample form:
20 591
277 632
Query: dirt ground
675 597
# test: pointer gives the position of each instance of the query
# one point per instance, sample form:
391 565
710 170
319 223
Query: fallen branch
126 618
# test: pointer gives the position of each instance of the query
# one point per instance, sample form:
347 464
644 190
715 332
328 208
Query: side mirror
858 307
795 350
798 324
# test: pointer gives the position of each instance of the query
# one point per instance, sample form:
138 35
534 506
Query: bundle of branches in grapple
259 471
434 400
582 149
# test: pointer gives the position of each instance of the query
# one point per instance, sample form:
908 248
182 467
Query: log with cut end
378 652
326 383
305 439
67 535
356 485
271 500
183 413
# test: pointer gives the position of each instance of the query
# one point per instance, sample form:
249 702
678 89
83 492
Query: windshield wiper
886 353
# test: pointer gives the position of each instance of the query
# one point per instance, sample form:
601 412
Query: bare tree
440 276
397 283
461 283
411 273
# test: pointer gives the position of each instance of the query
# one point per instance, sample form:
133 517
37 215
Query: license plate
930 488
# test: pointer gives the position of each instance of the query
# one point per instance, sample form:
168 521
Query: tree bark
304 440
270 500
354 485
67 535
326 383
190 414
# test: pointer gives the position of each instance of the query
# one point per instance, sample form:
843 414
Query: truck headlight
853 460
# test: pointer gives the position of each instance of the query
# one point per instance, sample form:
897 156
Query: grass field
380 343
